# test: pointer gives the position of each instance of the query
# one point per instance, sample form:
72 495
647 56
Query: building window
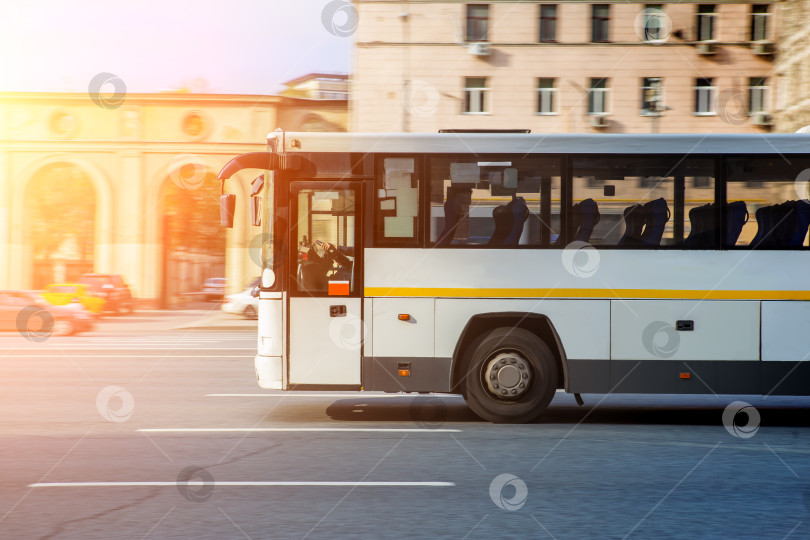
546 96
705 22
548 23
704 97
654 23
597 96
757 93
600 23
652 95
759 22
477 22
475 95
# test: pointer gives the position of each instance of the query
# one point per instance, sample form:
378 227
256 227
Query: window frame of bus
377 218
562 159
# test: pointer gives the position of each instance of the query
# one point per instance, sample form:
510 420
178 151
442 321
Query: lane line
298 430
346 395
78 356
241 484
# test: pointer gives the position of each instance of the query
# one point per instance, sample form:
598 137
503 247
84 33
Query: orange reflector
404 317
404 372
686 375
338 288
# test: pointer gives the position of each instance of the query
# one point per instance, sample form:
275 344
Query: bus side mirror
227 206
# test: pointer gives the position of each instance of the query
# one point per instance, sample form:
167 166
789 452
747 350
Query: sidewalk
181 319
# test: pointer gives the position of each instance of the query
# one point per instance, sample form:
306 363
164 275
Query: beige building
126 184
615 67
792 67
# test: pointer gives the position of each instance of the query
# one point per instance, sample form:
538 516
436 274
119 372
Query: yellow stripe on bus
584 293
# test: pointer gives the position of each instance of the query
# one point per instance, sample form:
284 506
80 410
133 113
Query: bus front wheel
511 376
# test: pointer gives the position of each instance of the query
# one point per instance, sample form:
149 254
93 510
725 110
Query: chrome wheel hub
507 375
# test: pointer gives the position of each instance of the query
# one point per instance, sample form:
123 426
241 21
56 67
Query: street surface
164 434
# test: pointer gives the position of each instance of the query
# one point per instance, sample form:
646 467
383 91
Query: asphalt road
166 435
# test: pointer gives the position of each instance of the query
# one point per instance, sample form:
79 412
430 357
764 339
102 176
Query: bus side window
773 194
396 206
642 202
494 201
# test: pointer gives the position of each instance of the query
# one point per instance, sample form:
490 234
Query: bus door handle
337 311
684 326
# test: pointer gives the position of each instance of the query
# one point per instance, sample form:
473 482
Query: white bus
506 266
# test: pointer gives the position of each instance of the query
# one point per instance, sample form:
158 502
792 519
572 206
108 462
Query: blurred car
21 312
63 294
214 288
243 303
112 289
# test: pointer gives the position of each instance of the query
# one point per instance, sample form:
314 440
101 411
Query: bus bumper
268 371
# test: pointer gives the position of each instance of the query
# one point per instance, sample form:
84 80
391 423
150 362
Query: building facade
792 67
127 185
557 67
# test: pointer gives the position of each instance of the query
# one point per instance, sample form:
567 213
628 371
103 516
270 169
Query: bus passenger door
325 322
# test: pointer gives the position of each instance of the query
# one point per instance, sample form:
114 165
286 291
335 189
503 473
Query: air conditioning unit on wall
706 47
479 49
762 119
599 121
762 48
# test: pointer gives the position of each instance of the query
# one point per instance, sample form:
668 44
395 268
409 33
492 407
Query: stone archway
193 241
60 223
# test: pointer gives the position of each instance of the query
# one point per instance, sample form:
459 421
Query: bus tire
511 376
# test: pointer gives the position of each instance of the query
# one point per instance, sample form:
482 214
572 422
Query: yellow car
62 294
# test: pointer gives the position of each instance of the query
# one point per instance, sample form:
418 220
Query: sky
221 46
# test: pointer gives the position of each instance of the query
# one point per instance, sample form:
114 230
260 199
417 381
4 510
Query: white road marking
56 356
246 484
298 430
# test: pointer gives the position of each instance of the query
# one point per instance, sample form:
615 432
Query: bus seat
767 219
736 217
788 221
633 226
656 214
587 212
701 232
520 213
450 221
802 209
502 215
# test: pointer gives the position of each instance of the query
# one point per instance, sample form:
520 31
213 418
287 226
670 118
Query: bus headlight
268 278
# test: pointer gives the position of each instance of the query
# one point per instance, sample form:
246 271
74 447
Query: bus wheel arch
536 323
